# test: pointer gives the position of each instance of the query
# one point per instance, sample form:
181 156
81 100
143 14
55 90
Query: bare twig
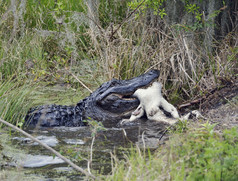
125 135
190 103
91 155
81 83
143 140
113 32
165 131
49 148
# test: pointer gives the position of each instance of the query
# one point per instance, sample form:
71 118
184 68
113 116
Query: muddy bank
219 106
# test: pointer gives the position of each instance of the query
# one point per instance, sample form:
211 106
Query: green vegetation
13 101
156 5
159 8
44 43
197 154
9 153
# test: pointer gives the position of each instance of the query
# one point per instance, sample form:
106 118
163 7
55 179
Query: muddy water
40 164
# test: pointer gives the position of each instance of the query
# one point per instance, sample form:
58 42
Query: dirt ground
224 115
220 105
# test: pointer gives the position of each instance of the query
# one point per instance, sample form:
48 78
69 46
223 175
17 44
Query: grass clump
198 154
13 102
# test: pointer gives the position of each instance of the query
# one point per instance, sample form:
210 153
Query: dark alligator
110 103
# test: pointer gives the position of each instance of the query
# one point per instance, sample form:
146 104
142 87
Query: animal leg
169 108
138 113
195 113
152 111
156 114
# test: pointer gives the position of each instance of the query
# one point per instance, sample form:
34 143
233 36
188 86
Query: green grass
198 154
13 102
18 96
44 42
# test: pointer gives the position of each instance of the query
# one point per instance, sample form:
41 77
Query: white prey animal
151 100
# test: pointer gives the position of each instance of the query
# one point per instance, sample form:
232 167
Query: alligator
110 103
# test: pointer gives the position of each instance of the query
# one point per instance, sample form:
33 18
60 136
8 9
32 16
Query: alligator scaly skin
54 115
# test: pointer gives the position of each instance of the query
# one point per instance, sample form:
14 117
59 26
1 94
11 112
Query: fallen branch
81 83
187 104
49 148
165 131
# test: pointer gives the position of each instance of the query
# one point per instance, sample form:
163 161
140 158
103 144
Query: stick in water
76 167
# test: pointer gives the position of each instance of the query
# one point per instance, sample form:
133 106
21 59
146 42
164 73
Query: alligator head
111 102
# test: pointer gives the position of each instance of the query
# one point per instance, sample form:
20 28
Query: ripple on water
74 141
49 140
35 161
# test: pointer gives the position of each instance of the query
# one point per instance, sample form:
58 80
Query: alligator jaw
113 100
128 87
118 97
120 103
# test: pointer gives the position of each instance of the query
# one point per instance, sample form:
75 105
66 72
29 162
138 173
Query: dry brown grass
80 44
184 62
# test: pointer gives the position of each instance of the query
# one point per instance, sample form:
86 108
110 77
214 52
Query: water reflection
77 141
